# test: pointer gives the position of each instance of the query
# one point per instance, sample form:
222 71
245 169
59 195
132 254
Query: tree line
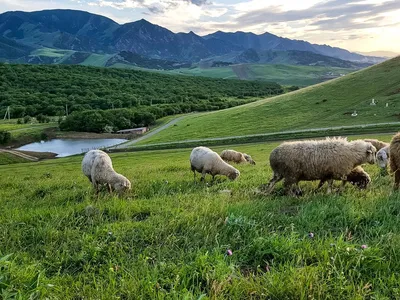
58 90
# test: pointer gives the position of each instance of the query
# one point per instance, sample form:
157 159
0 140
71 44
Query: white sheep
97 166
382 157
329 159
237 157
206 161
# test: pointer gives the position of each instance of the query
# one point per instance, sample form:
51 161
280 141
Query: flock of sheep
325 160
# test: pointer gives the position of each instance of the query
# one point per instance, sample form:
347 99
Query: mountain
268 41
289 57
10 49
86 32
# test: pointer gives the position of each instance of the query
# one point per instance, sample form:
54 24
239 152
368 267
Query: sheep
382 157
204 160
97 166
394 161
357 177
377 144
331 159
237 157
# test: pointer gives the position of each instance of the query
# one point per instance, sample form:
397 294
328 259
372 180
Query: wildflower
311 235
364 246
229 252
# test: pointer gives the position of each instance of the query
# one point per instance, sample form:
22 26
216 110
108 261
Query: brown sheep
376 143
394 160
357 177
317 160
236 157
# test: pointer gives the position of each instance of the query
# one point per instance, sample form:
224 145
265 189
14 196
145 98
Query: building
137 131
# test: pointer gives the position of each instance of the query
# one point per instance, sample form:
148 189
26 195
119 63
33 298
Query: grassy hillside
283 74
168 237
324 105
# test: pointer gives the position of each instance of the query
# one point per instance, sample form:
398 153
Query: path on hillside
149 134
260 134
20 154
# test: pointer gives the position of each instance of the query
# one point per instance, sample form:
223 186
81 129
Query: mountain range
20 32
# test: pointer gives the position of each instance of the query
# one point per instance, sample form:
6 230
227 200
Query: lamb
382 157
357 177
204 160
237 157
394 161
331 159
97 166
377 144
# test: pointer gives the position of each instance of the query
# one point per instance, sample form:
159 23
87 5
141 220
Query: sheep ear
369 151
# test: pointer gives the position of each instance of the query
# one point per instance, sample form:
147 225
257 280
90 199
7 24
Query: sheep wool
394 161
377 144
206 161
332 158
236 157
382 157
97 166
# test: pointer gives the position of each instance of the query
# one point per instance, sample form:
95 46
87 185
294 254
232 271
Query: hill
289 57
32 90
323 105
168 237
283 74
86 32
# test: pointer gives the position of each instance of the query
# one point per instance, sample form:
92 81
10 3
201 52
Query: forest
59 90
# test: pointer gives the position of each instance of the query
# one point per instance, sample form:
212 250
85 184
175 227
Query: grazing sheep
357 177
394 161
382 157
97 166
237 157
329 159
204 160
377 144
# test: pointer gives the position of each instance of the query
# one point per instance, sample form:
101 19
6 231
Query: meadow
282 74
169 237
319 106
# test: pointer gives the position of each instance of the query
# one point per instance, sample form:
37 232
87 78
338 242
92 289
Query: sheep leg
330 183
109 188
288 187
341 189
321 183
396 180
275 179
203 175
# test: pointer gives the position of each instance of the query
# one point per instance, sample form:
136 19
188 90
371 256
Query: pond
67 147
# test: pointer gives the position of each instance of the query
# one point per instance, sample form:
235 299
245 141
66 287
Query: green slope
283 74
324 105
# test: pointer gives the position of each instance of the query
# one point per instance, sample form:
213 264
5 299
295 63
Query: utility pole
66 109
7 113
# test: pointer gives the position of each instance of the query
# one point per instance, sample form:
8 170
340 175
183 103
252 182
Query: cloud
333 10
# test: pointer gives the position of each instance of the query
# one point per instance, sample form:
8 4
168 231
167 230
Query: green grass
168 237
7 158
324 105
97 60
51 52
282 74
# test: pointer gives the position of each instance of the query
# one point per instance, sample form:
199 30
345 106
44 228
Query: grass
8 158
324 105
168 237
97 60
56 53
282 74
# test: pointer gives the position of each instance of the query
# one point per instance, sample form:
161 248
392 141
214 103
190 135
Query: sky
356 25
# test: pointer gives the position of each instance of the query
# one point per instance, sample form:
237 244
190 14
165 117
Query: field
320 106
282 74
168 237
